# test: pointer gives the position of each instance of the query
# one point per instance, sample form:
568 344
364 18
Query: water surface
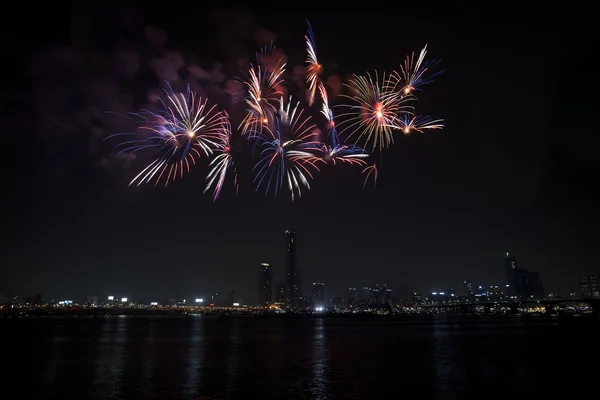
128 357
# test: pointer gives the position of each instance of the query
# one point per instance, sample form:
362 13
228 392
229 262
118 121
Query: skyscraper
351 297
510 266
468 291
265 285
318 293
293 282
280 293
522 284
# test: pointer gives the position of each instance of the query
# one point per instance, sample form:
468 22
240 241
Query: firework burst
261 86
408 123
184 130
221 164
313 68
413 74
286 153
374 111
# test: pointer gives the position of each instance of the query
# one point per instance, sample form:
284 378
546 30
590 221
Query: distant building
337 302
416 297
232 298
265 285
351 297
177 300
589 286
494 293
318 293
293 280
469 294
375 294
91 300
280 293
521 283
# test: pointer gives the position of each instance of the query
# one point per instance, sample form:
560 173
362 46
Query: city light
111 298
154 303
124 300
199 300
236 304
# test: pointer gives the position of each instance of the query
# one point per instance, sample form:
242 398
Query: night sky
514 169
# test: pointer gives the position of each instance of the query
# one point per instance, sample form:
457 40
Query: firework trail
374 112
261 87
313 68
370 172
336 151
408 123
185 130
221 164
286 154
414 73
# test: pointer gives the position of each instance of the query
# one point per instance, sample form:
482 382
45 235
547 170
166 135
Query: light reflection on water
195 357
272 358
149 357
108 372
233 359
319 346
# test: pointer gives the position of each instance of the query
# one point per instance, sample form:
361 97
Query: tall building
469 294
351 297
265 285
590 287
510 267
521 283
280 293
318 293
293 280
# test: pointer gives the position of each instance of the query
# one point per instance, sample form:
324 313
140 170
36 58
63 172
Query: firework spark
286 153
370 172
313 68
261 86
375 110
349 154
408 123
185 130
221 164
413 74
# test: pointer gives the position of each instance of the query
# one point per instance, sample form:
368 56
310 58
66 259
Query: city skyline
447 204
267 289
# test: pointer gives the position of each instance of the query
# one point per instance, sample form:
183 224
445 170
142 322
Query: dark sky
514 170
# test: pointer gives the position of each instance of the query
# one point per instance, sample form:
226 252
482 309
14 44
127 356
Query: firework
408 123
184 130
370 172
286 154
261 86
374 111
313 68
221 164
413 74
349 154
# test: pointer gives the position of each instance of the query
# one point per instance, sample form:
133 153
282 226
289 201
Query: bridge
548 304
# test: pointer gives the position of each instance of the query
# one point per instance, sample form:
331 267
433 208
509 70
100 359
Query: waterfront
126 357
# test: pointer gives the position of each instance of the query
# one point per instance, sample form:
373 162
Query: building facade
265 285
293 280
